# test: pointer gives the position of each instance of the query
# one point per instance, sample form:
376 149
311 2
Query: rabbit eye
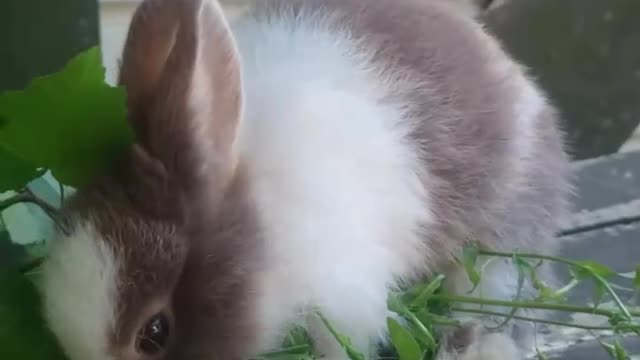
153 337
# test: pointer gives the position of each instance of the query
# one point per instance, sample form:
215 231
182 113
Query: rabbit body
343 148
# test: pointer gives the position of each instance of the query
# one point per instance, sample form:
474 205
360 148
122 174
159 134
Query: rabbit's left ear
181 70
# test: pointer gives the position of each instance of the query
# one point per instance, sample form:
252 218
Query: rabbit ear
181 70
150 41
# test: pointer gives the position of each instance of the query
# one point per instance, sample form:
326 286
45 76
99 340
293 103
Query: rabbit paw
473 341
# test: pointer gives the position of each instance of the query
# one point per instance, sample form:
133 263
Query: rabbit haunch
311 154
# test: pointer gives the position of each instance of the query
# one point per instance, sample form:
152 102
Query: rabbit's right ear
150 40
181 70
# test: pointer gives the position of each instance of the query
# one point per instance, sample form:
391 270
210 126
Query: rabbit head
152 266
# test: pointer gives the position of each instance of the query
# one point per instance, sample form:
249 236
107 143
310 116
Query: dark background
586 54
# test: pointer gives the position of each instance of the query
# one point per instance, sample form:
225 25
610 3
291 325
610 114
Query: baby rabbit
313 154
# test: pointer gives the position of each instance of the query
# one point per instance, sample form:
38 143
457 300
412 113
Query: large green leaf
23 333
10 254
71 122
404 343
470 258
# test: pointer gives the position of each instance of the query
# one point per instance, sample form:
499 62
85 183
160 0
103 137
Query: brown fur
177 263
180 223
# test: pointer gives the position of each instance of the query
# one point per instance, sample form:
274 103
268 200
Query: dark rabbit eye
153 337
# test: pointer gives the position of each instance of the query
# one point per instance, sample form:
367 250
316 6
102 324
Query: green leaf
343 340
619 351
296 346
11 255
395 304
71 122
403 341
545 293
634 276
598 293
628 275
296 337
15 172
610 349
426 291
470 257
540 355
586 269
23 333
599 273
417 328
522 266
294 352
37 249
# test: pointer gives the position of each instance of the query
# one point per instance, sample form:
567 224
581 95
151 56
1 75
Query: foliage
65 128
22 325
70 122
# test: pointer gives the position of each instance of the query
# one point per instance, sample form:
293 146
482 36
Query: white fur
79 284
336 179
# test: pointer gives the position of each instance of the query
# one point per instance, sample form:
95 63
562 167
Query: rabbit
307 156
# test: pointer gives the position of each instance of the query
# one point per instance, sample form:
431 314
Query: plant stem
414 319
27 196
16 199
565 289
528 304
344 342
285 351
61 188
542 321
597 277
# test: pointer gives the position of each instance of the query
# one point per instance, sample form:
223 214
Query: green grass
427 309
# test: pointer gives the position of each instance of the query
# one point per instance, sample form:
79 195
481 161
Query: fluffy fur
81 297
313 154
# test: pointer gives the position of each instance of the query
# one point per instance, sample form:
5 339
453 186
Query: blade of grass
344 341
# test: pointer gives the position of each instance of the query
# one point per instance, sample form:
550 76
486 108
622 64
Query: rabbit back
380 138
